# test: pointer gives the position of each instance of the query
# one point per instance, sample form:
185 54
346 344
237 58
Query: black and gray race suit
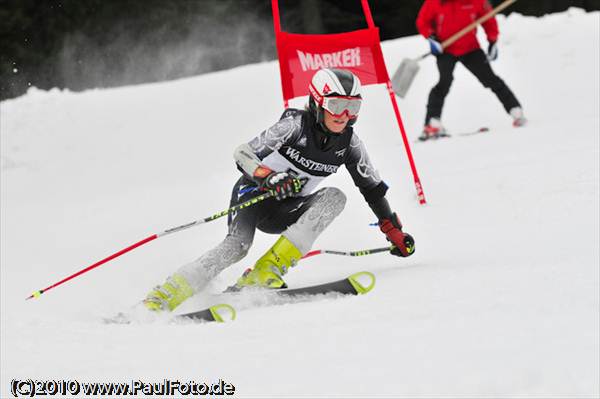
297 145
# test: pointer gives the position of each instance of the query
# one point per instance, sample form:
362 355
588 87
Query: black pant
269 216
477 63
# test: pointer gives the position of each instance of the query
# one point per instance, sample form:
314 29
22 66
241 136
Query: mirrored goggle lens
339 105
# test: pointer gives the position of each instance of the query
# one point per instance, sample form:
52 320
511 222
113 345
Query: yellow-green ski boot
169 295
271 266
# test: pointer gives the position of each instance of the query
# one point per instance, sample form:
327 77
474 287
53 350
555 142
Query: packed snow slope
501 298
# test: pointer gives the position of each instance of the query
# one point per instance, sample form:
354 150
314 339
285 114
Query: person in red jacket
437 21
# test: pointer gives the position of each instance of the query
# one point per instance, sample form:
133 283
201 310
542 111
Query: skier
290 159
437 21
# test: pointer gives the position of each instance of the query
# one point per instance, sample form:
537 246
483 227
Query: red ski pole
153 237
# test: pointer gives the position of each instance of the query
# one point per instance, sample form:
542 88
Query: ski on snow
219 313
483 129
474 132
355 284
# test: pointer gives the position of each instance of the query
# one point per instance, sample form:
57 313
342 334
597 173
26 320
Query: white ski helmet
329 82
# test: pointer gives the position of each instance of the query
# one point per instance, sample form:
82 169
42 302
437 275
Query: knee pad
333 197
325 206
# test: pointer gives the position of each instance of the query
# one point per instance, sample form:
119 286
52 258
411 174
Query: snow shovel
408 68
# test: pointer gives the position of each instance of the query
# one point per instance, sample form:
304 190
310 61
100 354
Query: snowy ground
501 298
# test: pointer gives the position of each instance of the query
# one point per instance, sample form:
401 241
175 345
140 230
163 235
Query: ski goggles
337 106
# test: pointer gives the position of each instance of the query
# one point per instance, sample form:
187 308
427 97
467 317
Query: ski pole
350 253
146 240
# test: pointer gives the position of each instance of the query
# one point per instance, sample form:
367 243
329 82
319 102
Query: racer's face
337 123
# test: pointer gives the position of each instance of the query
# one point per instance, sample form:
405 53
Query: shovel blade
404 76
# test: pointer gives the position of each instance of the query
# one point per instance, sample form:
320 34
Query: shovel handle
478 21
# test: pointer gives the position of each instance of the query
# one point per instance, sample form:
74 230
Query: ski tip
222 312
362 282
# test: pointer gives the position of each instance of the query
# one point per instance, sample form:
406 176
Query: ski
483 129
356 284
219 313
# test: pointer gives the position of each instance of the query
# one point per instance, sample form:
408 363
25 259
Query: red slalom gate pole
277 28
418 186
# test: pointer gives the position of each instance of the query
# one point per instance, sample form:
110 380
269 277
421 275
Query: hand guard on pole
404 243
281 184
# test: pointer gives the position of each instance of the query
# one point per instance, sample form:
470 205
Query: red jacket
446 17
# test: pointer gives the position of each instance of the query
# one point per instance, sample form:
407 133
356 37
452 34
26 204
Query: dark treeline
80 44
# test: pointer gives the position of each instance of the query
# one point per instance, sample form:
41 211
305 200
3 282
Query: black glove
281 184
404 243
492 53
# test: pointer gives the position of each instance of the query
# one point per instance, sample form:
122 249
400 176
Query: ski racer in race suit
437 21
290 159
